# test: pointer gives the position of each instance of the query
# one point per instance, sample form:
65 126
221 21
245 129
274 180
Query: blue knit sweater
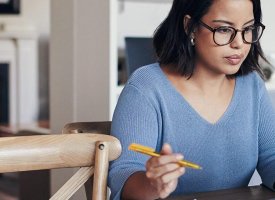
151 112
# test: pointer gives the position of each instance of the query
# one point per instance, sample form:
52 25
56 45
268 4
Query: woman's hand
163 172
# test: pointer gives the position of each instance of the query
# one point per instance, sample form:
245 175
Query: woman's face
225 59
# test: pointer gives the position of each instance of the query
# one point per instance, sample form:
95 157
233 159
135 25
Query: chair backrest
101 127
90 152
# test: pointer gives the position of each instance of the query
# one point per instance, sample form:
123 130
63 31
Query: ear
186 21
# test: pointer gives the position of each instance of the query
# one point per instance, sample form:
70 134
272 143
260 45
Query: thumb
166 149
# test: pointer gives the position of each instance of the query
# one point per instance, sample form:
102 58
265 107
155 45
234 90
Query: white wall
268 40
139 18
36 13
83 61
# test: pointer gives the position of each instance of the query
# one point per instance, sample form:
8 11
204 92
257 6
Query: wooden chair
103 127
91 151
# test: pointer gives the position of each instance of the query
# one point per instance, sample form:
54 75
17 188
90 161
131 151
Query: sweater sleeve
134 121
266 161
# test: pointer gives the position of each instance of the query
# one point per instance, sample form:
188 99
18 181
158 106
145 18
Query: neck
209 79
201 81
210 83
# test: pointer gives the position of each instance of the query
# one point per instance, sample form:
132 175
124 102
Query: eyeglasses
224 35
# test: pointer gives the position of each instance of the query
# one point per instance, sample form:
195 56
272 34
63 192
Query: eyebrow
230 23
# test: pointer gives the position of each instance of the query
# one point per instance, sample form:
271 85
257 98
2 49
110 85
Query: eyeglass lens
225 35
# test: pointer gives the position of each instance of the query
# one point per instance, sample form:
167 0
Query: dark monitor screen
139 51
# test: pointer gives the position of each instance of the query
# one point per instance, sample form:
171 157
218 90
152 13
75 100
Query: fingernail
179 157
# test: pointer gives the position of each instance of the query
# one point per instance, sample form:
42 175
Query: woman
204 99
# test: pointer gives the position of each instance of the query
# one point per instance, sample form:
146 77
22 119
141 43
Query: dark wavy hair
172 44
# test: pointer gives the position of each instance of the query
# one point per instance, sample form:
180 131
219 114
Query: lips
234 59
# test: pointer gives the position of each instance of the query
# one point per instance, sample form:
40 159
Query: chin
231 72
232 69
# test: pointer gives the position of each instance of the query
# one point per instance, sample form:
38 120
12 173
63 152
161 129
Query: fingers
168 177
167 183
166 149
167 156
165 159
165 192
163 164
163 171
160 170
165 174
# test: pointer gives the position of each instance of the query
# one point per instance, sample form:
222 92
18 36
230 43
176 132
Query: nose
237 41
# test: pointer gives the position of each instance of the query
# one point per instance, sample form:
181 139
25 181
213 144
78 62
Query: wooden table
247 193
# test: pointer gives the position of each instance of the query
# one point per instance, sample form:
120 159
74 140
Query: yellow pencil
151 152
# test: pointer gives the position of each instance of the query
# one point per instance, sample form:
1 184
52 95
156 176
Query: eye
249 29
224 30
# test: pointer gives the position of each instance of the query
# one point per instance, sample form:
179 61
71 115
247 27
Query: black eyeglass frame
213 30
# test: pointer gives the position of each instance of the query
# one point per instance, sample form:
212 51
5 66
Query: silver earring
192 41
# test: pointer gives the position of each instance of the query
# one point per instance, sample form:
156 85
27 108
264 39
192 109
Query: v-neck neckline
222 119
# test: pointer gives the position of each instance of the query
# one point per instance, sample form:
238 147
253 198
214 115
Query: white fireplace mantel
18 48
